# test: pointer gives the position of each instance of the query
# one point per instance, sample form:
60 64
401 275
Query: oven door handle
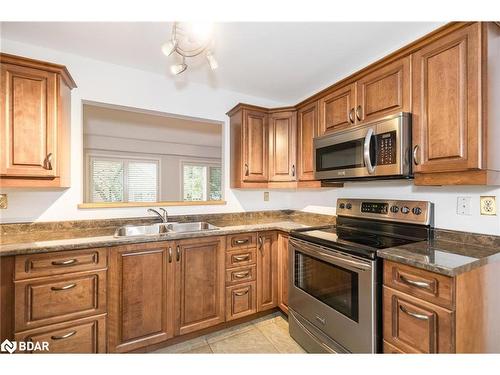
366 151
340 260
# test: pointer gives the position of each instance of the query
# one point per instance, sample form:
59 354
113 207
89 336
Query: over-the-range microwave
378 150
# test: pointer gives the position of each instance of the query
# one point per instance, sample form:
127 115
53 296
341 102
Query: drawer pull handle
241 242
418 284
412 314
320 319
239 294
169 255
66 287
64 262
62 337
241 275
47 162
178 253
241 258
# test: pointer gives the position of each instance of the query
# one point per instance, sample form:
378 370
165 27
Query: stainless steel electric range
336 278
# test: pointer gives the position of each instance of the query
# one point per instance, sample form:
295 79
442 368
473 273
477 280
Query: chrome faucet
163 217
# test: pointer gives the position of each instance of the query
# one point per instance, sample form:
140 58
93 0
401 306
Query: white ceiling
281 61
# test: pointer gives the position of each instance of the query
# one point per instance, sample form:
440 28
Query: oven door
336 293
379 149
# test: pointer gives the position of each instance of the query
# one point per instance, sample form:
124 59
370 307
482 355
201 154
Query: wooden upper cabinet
267 271
336 109
446 108
385 91
307 129
34 125
282 146
199 285
255 146
140 309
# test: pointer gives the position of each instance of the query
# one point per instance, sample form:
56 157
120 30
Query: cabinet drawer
59 298
426 285
241 241
241 258
241 274
241 300
86 335
416 326
48 264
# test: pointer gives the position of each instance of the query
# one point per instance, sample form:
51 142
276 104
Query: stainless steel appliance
379 150
336 278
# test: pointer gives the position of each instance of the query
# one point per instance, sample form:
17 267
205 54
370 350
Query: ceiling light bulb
212 61
169 47
178 68
202 31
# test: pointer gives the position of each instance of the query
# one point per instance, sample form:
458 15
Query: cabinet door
336 110
416 326
28 128
283 270
240 301
199 283
307 129
140 296
255 146
282 146
267 271
383 92
446 108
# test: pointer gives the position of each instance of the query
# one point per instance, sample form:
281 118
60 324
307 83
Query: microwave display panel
386 148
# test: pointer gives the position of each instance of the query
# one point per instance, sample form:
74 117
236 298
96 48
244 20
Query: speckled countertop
446 257
23 244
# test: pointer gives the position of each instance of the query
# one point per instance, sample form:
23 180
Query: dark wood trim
6 298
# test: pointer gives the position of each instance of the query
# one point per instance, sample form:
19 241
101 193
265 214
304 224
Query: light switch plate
4 203
488 205
266 196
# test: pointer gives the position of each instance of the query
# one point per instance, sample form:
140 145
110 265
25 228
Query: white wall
113 84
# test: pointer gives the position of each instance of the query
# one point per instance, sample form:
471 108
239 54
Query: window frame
90 156
201 163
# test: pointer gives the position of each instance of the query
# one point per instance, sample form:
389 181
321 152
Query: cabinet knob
415 155
178 253
359 113
293 170
47 163
351 116
247 172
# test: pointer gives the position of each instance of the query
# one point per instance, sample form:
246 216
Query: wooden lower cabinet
87 335
283 272
416 326
141 296
199 283
267 271
241 300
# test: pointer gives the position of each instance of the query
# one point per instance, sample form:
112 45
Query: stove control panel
416 212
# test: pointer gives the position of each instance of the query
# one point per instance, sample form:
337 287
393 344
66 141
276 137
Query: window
113 179
201 182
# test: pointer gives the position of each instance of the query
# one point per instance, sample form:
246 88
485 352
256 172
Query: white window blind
113 179
201 182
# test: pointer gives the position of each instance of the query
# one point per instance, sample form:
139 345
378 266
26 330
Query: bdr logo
23 346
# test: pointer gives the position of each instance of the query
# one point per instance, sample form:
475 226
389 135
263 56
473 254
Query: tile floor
268 334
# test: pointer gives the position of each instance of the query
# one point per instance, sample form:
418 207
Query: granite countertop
25 243
445 257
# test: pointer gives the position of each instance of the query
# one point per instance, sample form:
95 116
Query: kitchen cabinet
267 271
384 91
267 148
199 283
141 295
307 129
426 312
282 146
35 122
336 109
241 300
283 272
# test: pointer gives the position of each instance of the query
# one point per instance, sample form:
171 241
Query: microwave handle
366 151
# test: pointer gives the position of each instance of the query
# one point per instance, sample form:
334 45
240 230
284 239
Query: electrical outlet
4 203
463 205
488 205
266 196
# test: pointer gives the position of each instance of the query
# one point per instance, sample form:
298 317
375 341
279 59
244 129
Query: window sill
149 204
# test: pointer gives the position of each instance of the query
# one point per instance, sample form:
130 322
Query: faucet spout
163 218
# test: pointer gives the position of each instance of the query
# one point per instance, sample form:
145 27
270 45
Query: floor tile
251 341
185 347
205 349
280 338
228 332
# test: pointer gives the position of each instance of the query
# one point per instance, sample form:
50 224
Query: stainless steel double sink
163 229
